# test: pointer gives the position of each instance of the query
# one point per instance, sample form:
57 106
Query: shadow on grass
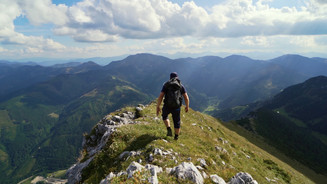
141 142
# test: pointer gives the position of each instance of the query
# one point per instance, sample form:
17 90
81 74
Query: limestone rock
74 173
187 170
133 167
108 178
242 178
202 162
155 168
216 179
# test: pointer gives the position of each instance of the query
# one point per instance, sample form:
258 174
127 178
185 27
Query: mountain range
298 114
44 111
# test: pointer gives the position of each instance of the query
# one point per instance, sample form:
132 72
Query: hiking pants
176 113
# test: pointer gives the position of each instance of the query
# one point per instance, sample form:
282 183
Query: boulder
133 167
242 178
216 179
187 170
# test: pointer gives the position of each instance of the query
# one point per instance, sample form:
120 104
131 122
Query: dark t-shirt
164 89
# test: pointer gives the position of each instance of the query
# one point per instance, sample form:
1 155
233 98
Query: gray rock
125 121
169 170
128 115
150 158
242 178
153 179
199 167
111 122
135 153
155 168
202 162
116 119
216 179
157 151
204 174
132 168
139 109
121 173
187 170
74 172
141 106
124 155
108 178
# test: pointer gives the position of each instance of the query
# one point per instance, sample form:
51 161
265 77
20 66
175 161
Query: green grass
7 127
285 162
25 168
58 174
194 143
296 121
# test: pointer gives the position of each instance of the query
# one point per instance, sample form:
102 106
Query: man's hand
158 111
186 109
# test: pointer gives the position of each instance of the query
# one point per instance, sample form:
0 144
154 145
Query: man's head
172 75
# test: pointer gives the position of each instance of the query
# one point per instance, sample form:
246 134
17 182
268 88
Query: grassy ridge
195 142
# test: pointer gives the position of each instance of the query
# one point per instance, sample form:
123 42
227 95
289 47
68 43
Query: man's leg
177 130
166 121
177 122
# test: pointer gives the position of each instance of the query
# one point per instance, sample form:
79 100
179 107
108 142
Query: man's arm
162 94
187 102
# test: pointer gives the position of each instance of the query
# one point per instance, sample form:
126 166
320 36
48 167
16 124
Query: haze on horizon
261 29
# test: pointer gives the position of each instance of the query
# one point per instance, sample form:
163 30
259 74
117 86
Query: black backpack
173 96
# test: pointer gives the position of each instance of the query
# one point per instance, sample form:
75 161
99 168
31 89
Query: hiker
173 91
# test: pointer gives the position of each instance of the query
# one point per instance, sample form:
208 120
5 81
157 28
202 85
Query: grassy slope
194 143
259 141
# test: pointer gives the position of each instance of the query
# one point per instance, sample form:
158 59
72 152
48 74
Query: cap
174 74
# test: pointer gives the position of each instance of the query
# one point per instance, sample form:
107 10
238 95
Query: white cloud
43 11
162 18
260 41
94 36
8 12
37 12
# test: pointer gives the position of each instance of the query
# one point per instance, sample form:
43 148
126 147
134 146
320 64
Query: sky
66 29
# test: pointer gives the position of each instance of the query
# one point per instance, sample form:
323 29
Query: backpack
173 96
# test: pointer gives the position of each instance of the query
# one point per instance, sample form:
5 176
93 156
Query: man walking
173 91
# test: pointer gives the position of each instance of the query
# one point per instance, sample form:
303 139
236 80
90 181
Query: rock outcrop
94 142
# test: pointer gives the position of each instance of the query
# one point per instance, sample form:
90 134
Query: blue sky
63 29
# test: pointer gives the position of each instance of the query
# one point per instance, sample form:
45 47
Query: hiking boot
176 137
169 133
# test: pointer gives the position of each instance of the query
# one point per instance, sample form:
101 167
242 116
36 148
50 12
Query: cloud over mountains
113 20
